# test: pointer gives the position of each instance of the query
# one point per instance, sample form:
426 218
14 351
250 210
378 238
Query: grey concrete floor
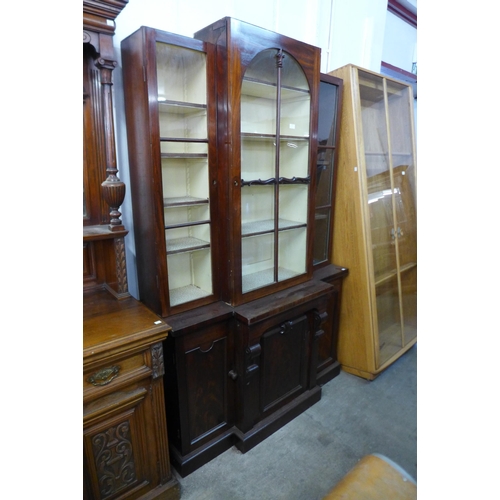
304 459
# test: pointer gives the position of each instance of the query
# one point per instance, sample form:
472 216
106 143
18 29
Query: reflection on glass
322 227
327 113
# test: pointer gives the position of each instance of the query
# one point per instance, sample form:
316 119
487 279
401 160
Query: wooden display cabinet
375 221
222 142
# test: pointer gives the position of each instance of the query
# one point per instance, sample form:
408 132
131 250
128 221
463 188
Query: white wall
347 31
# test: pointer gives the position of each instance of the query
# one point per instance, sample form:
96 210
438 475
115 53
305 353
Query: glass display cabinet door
390 208
275 119
325 168
403 168
183 127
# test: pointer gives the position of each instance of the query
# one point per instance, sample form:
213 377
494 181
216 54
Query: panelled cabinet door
389 167
173 189
200 363
283 371
117 458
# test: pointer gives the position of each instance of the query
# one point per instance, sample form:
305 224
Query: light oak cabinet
375 221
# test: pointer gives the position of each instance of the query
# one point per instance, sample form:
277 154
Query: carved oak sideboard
124 424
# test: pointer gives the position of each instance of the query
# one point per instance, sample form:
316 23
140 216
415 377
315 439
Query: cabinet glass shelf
379 280
267 226
263 278
267 89
180 201
186 293
179 107
187 244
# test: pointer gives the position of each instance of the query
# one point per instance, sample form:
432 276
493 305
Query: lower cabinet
235 375
125 444
200 385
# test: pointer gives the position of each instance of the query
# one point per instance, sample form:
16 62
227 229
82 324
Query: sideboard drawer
111 375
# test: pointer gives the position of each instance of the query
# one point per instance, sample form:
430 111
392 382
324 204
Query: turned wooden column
113 190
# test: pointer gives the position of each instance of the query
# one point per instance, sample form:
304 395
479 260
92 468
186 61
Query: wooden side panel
356 346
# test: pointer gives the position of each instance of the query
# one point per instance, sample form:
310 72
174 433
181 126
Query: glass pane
292 253
185 177
380 205
292 75
324 177
184 122
187 238
189 276
294 158
295 99
263 68
186 214
257 261
406 218
293 203
181 74
295 109
409 293
257 209
399 102
322 231
258 107
258 157
374 123
389 319
327 114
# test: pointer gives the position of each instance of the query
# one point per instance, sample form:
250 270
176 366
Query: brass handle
104 376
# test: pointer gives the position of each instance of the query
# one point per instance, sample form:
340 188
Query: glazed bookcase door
330 103
275 142
183 129
389 167
177 176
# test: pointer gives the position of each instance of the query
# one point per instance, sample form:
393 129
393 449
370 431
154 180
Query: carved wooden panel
114 459
114 447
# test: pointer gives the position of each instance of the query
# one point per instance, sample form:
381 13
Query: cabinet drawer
113 374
